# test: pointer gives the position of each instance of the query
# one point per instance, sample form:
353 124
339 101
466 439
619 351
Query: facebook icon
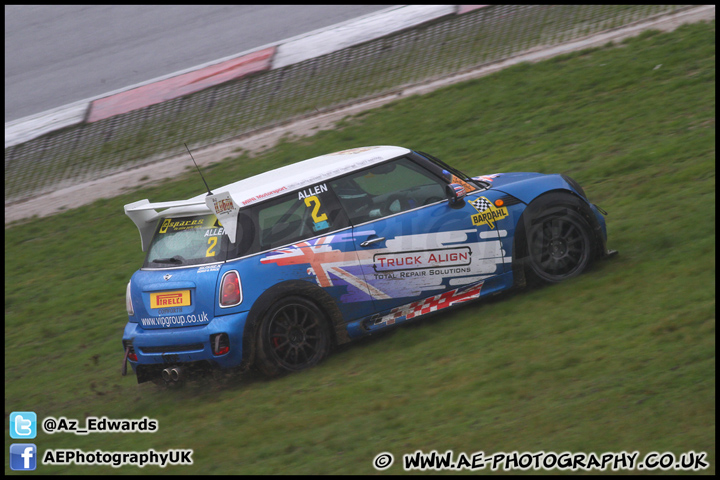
23 456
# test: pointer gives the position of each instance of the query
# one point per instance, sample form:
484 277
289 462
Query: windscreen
187 240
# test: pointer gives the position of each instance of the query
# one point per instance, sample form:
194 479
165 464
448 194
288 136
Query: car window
387 189
246 236
450 174
291 218
187 240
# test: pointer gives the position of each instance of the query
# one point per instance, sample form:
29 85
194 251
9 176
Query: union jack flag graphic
323 260
459 189
319 254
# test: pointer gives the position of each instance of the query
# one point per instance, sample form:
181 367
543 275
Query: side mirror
455 193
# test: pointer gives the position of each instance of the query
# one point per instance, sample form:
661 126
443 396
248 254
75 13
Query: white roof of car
308 172
264 186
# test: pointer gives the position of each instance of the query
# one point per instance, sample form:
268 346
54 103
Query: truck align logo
441 257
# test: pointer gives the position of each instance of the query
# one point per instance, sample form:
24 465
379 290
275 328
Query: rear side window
291 218
187 240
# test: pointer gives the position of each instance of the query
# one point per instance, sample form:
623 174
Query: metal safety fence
443 47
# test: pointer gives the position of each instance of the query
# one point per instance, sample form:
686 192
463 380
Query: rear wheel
293 335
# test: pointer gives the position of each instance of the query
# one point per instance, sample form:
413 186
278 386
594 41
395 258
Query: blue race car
273 271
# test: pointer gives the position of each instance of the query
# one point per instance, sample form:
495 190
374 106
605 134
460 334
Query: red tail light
131 351
128 301
220 343
230 292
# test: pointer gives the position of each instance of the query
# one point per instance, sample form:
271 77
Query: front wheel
293 335
559 247
559 242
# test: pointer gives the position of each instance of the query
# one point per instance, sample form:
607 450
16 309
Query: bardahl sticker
488 213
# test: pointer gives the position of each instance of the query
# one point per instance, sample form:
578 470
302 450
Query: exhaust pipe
173 374
176 373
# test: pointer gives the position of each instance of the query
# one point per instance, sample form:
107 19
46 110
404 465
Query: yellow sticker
176 226
487 212
179 298
212 241
165 225
315 201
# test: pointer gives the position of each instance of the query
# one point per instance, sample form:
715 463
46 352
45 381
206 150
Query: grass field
621 358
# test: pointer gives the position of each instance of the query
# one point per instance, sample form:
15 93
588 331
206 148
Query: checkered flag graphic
481 204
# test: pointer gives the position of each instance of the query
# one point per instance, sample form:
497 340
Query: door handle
367 243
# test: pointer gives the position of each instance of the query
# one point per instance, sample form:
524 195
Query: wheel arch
575 201
301 288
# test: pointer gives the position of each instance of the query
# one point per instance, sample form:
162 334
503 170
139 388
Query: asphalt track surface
60 54
113 185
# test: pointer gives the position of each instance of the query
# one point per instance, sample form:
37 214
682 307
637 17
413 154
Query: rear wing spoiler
145 214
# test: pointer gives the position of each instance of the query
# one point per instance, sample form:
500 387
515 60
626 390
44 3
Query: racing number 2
316 206
212 241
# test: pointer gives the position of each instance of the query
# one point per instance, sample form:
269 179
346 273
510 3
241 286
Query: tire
293 335
558 239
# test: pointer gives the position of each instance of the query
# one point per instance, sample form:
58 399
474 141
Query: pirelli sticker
488 213
179 298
